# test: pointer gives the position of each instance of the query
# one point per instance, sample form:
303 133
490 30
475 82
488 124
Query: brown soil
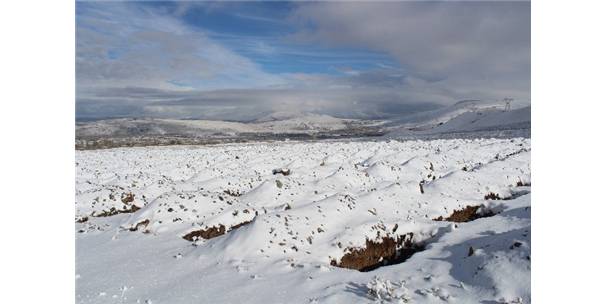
212 232
234 193
492 196
239 225
141 224
522 184
466 214
376 254
209 233
114 211
282 171
514 195
128 198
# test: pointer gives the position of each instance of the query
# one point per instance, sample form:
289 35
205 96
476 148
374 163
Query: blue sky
238 60
261 31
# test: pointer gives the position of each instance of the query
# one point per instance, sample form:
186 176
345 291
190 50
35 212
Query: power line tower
507 102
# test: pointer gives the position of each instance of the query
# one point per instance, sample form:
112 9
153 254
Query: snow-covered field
290 222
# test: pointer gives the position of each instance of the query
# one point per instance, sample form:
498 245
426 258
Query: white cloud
473 49
133 61
122 45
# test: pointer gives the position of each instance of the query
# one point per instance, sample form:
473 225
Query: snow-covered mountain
463 119
280 115
487 119
464 116
274 123
304 122
446 113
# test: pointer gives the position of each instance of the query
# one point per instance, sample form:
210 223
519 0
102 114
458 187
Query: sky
242 60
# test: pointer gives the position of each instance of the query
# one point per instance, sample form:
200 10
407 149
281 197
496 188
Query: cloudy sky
237 61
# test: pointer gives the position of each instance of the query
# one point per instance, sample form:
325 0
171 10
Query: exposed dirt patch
239 225
127 198
376 254
492 196
514 195
466 214
283 171
234 193
141 224
522 184
212 232
209 233
114 211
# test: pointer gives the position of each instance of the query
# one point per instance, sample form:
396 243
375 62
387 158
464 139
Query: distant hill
275 123
464 116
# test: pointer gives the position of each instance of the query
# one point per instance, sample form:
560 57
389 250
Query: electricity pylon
507 103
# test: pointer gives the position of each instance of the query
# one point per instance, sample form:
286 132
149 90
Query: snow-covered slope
465 116
306 122
487 120
274 123
444 114
291 223
155 127
280 115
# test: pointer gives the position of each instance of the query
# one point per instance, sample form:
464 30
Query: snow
447 113
274 123
486 120
283 231
463 117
